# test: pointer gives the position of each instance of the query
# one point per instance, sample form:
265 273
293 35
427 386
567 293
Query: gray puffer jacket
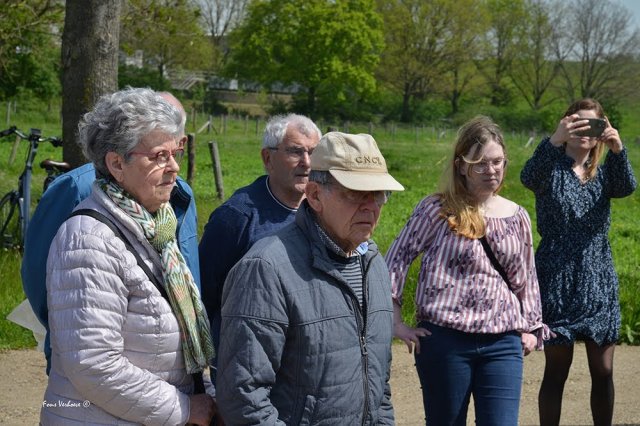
117 356
296 348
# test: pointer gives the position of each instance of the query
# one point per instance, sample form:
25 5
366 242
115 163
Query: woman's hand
611 138
529 342
409 335
567 128
201 409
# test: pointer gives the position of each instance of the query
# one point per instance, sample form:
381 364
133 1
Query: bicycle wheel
10 229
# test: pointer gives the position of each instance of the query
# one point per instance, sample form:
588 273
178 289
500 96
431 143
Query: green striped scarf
160 231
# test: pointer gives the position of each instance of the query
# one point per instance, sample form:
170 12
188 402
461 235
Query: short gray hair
120 120
277 127
323 177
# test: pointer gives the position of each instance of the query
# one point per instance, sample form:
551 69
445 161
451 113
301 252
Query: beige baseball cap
354 161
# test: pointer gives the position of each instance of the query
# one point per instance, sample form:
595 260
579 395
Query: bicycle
13 227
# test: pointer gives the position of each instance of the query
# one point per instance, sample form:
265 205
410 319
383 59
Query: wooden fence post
217 170
14 150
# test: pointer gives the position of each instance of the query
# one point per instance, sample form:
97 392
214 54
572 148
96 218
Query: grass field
416 156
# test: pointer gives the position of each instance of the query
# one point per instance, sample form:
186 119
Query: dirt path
407 398
22 383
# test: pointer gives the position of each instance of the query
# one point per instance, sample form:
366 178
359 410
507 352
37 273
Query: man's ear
312 193
266 159
115 164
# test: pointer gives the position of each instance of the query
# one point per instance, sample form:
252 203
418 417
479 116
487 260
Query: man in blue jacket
57 203
259 209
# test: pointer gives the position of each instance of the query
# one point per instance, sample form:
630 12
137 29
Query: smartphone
597 127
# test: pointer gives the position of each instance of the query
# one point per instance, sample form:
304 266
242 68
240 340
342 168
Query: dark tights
556 370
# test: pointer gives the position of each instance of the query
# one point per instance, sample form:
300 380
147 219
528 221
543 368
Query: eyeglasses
162 157
294 153
361 197
482 167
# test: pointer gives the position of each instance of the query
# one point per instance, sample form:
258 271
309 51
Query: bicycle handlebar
57 142
7 132
34 134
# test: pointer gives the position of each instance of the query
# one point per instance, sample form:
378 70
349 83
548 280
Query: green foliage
212 104
330 48
425 41
167 32
129 75
29 48
12 336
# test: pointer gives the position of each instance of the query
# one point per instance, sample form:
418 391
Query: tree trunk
311 102
405 114
90 44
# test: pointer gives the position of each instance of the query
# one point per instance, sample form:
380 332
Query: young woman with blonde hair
477 316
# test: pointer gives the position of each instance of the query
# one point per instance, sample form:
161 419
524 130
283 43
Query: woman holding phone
578 284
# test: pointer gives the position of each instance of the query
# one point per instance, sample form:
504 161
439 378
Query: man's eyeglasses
162 157
361 197
482 167
294 153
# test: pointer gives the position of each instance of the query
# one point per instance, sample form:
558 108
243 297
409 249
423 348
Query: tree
501 46
330 48
538 61
418 41
169 34
29 47
219 17
467 29
603 45
89 64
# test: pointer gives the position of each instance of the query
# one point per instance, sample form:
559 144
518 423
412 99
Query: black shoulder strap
494 261
104 219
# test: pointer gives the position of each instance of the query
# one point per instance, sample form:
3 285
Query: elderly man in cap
307 314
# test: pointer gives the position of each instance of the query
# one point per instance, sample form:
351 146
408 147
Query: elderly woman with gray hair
129 335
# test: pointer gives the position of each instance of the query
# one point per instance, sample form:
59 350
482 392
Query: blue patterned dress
578 284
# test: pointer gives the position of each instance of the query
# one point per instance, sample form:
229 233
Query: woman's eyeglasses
481 167
162 157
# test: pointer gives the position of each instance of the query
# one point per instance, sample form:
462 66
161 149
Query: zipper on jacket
361 323
363 336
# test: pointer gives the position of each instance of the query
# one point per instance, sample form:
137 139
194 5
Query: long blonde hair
459 207
598 150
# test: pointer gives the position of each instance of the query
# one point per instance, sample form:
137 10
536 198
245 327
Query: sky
634 8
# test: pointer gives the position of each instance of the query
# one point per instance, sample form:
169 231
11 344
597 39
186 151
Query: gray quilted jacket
115 340
296 348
